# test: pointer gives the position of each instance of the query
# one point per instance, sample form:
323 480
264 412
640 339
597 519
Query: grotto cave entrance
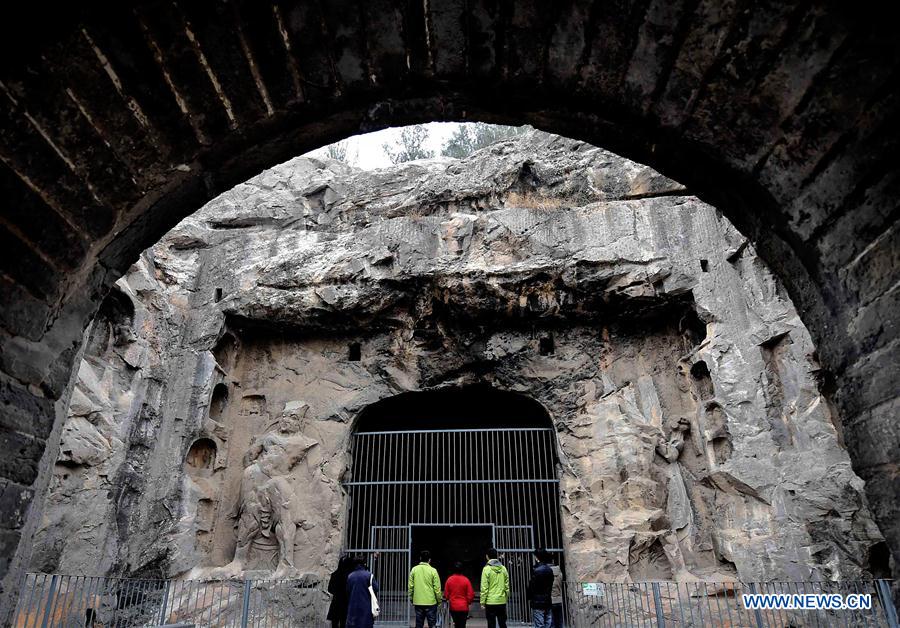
454 471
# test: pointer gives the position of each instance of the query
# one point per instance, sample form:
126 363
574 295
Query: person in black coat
540 589
337 587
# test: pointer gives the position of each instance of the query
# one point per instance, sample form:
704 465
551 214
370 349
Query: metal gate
504 479
516 543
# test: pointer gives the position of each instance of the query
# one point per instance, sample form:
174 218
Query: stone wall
119 120
694 437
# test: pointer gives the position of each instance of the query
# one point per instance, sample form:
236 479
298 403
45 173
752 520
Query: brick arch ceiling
118 120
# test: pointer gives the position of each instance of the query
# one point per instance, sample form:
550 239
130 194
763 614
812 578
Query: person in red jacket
458 591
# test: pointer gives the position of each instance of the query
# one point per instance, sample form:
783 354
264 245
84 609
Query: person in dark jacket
540 591
459 593
557 595
337 587
359 602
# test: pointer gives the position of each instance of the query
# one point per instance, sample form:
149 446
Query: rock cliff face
693 435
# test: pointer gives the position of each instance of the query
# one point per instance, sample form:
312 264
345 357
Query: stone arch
119 120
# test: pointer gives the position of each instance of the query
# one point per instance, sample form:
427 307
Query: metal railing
60 601
683 604
56 601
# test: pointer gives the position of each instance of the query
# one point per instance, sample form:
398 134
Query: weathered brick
20 262
883 492
65 124
874 435
870 381
871 275
877 323
656 45
526 32
60 372
614 31
346 43
262 35
482 25
309 46
748 95
220 42
9 543
24 412
22 456
15 501
120 39
207 111
864 221
384 41
29 153
21 313
830 108
698 52
75 63
40 223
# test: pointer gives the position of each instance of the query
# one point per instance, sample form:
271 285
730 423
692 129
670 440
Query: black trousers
496 615
426 613
459 618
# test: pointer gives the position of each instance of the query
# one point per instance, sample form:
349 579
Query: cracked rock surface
694 438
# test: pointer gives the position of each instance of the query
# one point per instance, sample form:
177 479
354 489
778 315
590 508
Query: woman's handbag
376 610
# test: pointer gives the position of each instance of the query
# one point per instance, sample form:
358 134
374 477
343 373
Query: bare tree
411 145
470 137
340 151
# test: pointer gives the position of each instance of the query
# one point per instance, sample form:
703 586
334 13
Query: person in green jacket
494 590
425 591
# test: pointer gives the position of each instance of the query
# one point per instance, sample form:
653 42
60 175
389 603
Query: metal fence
54 601
681 604
47 601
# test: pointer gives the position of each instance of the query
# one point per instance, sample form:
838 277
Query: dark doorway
475 405
448 544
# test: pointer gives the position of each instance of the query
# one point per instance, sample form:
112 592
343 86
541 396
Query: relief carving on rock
671 448
268 506
678 504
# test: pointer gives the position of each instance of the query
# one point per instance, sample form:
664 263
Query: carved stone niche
201 457
218 401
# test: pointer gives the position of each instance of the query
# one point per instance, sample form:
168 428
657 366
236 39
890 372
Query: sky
365 151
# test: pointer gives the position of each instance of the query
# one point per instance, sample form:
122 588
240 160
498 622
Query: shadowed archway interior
454 471
118 120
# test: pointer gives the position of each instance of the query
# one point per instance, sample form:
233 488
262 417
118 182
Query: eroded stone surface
694 441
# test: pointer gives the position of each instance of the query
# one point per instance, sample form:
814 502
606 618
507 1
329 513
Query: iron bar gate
502 482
